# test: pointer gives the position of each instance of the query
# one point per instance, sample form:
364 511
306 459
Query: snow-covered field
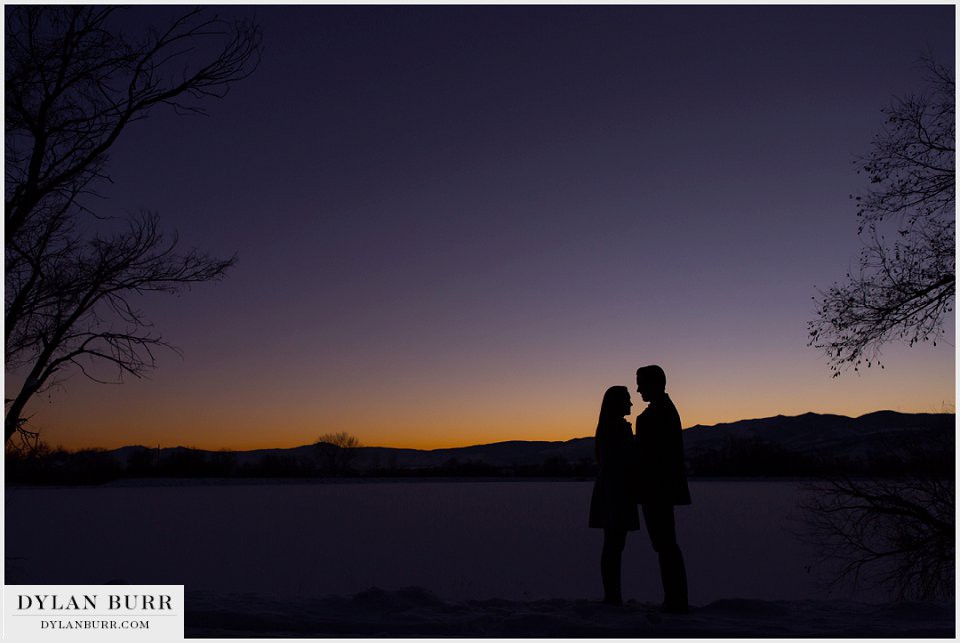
480 558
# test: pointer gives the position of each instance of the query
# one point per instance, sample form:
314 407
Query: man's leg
610 560
663 535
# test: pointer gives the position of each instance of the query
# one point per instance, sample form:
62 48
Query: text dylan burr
84 602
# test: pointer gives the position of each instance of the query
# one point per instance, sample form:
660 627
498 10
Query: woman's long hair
611 409
611 414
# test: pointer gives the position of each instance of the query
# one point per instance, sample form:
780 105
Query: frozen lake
516 540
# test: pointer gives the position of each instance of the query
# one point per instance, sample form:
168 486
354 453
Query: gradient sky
461 224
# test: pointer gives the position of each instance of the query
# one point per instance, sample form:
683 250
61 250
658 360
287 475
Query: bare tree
336 452
896 529
74 83
906 280
892 533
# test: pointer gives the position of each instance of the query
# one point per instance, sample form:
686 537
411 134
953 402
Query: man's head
651 381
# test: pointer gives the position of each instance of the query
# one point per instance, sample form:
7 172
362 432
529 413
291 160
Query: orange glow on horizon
470 404
429 441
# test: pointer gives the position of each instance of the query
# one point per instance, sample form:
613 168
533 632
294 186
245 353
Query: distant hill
811 434
884 442
879 442
514 453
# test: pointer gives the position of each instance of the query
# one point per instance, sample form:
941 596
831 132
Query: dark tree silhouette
74 83
335 452
896 529
906 280
897 534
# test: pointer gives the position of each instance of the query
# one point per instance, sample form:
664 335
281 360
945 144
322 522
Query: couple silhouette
646 469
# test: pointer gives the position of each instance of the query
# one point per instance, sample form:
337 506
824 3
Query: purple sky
461 224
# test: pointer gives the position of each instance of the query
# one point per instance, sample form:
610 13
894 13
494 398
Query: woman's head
616 404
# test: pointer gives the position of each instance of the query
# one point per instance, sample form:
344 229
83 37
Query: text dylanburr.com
93 612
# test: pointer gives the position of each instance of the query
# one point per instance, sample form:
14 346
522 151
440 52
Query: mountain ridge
807 433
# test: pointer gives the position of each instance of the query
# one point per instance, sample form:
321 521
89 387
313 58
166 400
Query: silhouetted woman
613 507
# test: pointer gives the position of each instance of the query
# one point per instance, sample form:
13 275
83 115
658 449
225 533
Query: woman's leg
610 557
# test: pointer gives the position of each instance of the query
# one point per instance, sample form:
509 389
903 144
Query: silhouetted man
662 481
